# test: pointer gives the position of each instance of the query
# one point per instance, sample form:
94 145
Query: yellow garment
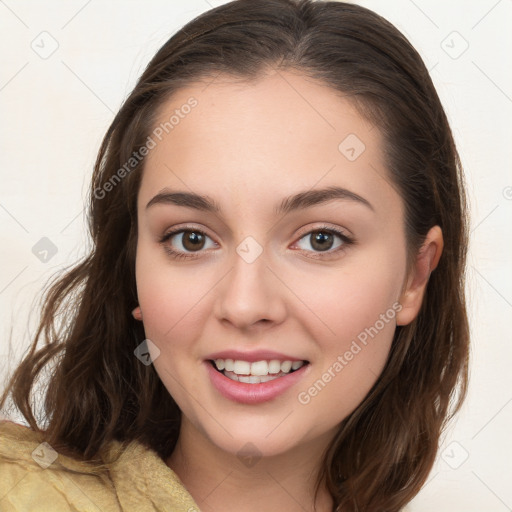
138 481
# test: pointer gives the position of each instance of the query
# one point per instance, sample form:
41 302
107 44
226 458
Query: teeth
258 368
242 367
286 366
251 379
274 366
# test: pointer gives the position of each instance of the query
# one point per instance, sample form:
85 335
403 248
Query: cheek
353 325
170 299
171 306
344 381
349 362
343 303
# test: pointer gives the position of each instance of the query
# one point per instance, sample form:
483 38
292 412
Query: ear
137 313
427 259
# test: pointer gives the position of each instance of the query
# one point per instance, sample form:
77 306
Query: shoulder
34 476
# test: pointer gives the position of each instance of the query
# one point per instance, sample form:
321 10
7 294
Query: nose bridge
250 292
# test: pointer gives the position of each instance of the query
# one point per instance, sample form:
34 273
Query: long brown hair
99 391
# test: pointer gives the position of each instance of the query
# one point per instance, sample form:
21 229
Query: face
278 267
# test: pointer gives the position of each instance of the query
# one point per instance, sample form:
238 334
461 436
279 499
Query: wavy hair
98 391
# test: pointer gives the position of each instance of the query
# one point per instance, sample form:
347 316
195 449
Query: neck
219 480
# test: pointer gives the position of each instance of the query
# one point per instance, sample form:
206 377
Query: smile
254 382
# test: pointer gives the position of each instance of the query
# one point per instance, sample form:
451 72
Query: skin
247 147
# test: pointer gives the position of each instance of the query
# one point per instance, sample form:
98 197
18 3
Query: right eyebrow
188 199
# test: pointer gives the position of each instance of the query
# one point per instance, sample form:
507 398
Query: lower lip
253 393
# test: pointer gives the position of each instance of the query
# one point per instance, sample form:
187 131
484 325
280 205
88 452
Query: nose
250 296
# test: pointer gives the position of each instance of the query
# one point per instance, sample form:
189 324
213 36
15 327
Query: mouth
255 382
257 372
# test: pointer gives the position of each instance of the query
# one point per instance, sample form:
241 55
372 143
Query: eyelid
324 226
181 229
347 240
186 227
178 254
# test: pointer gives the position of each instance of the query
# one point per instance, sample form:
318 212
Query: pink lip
251 357
244 393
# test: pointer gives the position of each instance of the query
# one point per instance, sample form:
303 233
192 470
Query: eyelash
347 241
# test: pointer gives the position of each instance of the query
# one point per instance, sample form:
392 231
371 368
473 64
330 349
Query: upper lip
256 355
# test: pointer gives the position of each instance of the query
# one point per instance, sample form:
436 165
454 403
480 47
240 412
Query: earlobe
427 260
137 313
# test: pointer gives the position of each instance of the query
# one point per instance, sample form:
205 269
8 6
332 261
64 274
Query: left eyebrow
301 200
316 197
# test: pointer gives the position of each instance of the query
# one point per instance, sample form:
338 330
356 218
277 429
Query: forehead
281 132
276 115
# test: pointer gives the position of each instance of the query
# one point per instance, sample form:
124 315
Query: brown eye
185 243
321 240
324 240
193 240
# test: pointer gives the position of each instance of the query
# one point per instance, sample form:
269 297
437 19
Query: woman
273 311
